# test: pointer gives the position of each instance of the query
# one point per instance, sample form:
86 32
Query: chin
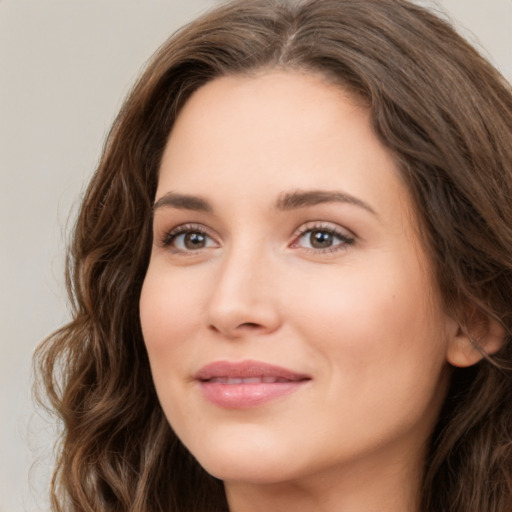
251 459
261 471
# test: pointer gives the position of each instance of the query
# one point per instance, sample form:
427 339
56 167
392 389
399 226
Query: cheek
168 315
169 320
381 349
375 322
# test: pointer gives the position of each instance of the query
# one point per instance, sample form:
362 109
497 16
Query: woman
292 276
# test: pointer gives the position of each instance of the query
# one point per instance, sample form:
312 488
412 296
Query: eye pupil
195 240
321 239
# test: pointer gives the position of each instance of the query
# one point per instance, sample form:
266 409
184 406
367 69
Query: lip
247 384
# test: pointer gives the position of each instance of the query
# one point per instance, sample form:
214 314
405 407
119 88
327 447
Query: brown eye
194 241
183 240
321 239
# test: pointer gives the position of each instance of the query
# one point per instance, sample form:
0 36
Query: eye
188 238
322 239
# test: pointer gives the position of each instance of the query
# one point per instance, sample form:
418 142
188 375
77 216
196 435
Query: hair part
446 116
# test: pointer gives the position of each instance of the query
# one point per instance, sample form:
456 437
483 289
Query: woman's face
289 311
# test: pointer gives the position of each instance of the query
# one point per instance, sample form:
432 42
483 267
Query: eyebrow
183 202
286 201
299 199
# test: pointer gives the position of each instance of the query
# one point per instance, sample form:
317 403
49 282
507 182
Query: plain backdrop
65 67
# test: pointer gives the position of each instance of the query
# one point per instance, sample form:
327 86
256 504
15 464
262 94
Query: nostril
243 327
249 325
237 330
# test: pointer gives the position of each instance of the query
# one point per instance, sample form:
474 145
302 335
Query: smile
247 380
247 384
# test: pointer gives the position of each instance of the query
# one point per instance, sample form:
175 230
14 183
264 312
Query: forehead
269 133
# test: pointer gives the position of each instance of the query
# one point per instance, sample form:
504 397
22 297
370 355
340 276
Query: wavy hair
444 113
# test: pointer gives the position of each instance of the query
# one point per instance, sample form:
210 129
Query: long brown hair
446 116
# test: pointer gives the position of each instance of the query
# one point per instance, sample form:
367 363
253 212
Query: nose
244 299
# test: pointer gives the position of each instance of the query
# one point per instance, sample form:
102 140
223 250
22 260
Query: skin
363 319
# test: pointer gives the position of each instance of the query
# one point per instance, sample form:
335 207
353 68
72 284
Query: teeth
246 380
252 380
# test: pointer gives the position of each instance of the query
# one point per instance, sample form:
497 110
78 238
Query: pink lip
245 384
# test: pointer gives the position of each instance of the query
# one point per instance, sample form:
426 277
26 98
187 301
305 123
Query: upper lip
247 369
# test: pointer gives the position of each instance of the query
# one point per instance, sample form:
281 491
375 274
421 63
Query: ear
480 336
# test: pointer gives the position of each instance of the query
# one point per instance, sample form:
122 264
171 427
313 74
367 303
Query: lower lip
245 396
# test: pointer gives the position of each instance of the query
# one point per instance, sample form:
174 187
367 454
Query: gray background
65 67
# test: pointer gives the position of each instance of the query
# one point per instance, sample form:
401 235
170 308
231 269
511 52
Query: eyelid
169 236
347 236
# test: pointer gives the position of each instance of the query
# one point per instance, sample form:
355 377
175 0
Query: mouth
247 384
247 380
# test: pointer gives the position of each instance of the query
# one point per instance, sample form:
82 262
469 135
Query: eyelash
346 240
170 237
